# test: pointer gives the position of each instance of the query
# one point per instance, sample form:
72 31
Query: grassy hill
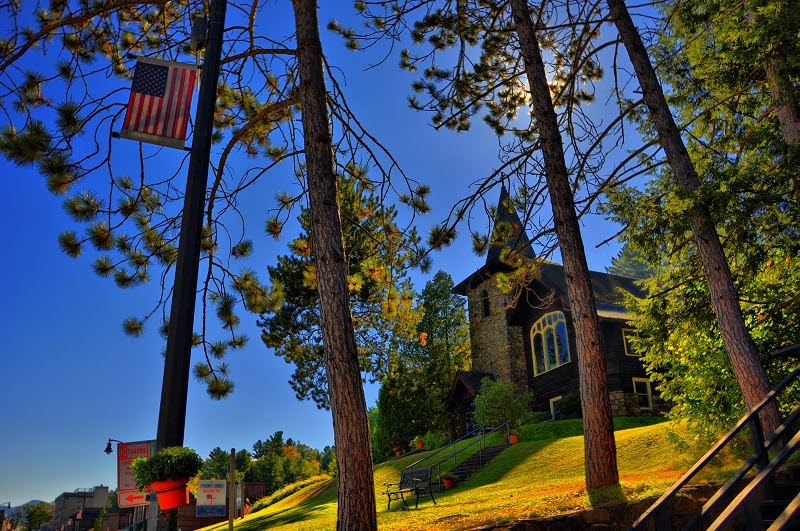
541 475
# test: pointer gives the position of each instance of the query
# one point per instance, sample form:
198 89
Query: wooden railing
661 513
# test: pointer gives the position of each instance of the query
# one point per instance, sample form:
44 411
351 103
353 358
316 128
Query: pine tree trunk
724 297
600 453
356 510
787 111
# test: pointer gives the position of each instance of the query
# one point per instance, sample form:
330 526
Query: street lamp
108 449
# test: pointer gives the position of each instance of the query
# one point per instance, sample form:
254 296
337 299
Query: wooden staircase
784 490
473 444
477 461
769 500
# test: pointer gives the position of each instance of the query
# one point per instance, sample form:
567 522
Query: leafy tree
723 292
499 401
36 515
399 418
748 184
379 290
412 398
328 460
269 470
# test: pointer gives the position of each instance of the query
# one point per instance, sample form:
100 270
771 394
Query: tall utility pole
175 386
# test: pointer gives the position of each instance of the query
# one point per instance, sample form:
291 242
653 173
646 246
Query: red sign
127 493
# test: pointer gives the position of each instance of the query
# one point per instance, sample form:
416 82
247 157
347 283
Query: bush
537 417
434 440
500 401
570 405
174 462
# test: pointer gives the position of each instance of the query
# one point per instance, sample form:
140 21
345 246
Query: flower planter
171 493
448 483
420 445
512 439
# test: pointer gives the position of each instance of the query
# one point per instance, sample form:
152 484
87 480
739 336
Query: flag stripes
159 103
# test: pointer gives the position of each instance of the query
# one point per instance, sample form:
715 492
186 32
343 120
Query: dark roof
506 218
610 302
606 288
470 380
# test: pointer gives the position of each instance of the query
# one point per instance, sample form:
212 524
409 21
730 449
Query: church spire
507 231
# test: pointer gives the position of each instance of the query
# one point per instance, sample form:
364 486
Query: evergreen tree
724 297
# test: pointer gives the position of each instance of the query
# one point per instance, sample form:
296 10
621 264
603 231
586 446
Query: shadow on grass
612 493
312 507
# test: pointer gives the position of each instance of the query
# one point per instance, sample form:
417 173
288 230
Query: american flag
158 108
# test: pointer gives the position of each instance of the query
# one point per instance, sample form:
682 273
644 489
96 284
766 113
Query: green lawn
541 475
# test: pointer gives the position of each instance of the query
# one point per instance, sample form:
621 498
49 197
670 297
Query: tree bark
787 111
724 297
600 451
356 510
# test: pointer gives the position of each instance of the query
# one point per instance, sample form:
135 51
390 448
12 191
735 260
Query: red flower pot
420 445
171 493
513 438
448 483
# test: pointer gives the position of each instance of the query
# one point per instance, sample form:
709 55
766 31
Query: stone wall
497 348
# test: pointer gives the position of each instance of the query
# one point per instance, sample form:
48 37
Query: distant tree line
275 462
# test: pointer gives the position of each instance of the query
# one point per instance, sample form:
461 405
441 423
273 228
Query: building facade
527 335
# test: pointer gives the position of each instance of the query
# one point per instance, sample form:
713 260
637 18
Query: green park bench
414 482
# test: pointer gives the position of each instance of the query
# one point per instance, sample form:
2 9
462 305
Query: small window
555 407
641 388
628 333
549 343
487 308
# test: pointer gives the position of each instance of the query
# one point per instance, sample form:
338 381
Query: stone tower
497 347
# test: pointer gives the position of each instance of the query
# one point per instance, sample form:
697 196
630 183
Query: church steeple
507 230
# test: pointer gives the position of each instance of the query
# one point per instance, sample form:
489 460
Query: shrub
537 417
570 405
434 440
170 463
500 401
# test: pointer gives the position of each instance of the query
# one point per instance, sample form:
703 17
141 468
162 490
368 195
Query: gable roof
606 287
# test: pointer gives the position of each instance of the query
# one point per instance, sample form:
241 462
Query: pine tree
724 297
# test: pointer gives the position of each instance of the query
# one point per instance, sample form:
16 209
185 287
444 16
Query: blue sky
72 378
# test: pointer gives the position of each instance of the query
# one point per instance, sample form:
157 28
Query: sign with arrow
127 493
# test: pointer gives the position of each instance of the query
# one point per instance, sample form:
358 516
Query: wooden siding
620 368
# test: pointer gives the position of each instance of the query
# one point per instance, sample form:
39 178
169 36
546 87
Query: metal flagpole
174 389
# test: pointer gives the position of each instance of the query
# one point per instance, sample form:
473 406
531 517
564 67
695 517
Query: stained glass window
550 342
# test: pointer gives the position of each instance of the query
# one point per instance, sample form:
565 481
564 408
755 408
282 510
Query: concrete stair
477 461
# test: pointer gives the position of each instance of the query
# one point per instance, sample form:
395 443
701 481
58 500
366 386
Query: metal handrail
436 467
759 457
467 435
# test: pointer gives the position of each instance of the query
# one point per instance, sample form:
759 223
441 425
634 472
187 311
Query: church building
532 342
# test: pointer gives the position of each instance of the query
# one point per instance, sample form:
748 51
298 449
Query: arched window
487 308
549 343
